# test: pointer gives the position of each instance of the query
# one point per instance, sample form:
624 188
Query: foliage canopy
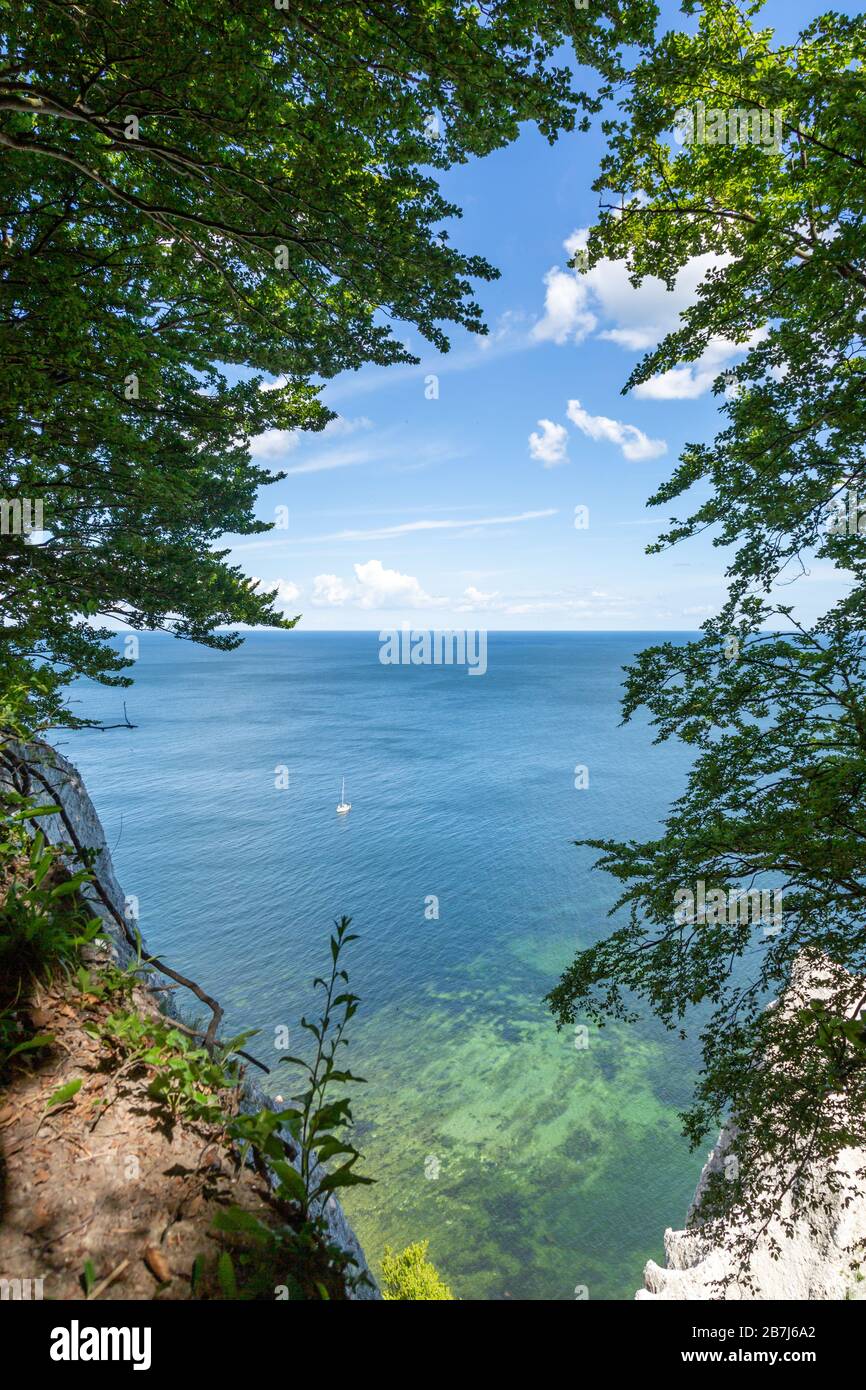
196 196
774 709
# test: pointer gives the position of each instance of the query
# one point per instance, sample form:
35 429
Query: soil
109 1195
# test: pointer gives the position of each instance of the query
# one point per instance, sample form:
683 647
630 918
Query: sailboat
344 805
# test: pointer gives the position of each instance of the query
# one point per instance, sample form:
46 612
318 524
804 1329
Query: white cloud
567 605
374 586
475 599
643 315
678 384
330 591
509 331
636 318
691 380
635 445
337 458
342 424
276 443
566 315
380 533
510 335
546 606
384 447
282 591
383 588
549 447
410 527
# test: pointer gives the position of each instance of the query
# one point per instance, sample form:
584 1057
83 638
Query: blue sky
457 509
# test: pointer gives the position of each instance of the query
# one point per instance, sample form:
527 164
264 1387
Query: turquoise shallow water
535 1167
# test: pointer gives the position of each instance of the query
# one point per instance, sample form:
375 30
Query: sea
537 1163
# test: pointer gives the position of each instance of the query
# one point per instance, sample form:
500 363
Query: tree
775 711
408 1276
194 188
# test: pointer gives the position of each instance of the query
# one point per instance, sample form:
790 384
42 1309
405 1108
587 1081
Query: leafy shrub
319 1127
318 1124
43 922
410 1276
42 919
184 1077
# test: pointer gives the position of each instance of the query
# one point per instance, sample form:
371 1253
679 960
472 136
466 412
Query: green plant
318 1124
42 918
64 1094
109 981
43 921
292 1261
410 1277
313 1266
184 1077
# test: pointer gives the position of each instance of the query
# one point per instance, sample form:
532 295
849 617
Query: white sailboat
344 805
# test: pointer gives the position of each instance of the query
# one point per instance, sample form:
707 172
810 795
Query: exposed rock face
826 1228
814 1261
68 791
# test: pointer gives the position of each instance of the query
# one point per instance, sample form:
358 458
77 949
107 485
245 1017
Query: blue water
533 1166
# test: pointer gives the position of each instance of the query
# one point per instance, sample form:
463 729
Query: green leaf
226 1275
342 1177
330 1147
291 1182
64 1094
41 1040
71 885
236 1220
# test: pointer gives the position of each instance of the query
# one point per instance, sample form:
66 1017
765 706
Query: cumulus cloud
330 591
635 445
566 313
374 586
684 383
642 315
636 318
550 446
282 591
691 380
274 443
383 588
474 600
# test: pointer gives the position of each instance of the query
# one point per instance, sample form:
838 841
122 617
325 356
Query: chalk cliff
818 1230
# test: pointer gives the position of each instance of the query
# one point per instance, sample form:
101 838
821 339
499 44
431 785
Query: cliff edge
810 1250
113 1191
